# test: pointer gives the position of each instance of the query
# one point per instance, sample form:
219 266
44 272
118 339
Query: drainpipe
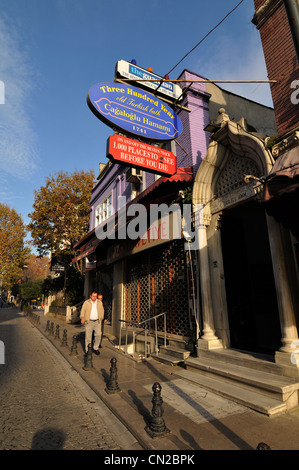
292 10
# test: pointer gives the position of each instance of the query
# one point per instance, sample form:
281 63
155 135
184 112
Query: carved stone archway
220 184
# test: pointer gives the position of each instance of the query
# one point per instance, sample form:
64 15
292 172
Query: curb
117 403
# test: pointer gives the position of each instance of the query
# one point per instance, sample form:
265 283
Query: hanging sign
134 111
134 72
139 154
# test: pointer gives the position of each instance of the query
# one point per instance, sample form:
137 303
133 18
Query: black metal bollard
112 386
57 334
64 338
52 329
74 351
157 427
88 365
47 330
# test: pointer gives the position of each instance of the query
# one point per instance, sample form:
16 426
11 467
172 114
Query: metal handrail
77 306
138 324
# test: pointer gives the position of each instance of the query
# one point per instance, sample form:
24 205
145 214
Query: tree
36 268
59 220
31 290
74 285
61 212
13 249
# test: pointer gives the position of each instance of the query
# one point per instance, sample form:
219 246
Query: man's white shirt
94 312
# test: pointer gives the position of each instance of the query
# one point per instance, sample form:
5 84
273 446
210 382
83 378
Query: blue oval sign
134 111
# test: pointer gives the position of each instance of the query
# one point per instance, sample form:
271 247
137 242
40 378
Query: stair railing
143 324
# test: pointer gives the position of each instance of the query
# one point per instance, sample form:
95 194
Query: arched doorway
252 309
234 256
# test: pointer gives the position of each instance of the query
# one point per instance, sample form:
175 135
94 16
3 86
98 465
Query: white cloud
18 155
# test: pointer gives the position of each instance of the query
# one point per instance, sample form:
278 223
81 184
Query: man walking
92 314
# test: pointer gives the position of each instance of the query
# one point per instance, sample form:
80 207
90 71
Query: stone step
266 382
178 353
167 359
232 391
252 360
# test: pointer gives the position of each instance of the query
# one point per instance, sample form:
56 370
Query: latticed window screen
157 282
104 284
232 176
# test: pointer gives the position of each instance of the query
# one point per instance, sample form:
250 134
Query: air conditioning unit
134 175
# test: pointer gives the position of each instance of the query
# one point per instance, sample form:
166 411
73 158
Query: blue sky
52 52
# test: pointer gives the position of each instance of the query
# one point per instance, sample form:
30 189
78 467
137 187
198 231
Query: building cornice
265 12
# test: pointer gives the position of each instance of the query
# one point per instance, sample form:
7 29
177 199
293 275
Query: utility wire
223 19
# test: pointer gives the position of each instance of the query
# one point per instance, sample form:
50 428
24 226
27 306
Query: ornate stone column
285 356
208 340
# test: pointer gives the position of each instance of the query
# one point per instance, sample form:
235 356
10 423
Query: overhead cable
213 29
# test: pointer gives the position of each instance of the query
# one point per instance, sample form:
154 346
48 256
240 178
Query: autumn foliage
13 251
60 214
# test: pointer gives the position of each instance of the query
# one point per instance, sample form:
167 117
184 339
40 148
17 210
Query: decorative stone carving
286 144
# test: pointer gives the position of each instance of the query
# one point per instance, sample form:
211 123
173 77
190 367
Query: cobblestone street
44 402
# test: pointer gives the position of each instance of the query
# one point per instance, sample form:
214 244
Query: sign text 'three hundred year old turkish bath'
134 111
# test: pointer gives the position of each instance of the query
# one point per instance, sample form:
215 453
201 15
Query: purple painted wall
193 139
114 180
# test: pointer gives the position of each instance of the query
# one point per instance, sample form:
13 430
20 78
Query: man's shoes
96 352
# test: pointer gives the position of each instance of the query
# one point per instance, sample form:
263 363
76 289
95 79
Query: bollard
112 386
57 336
47 330
157 426
88 359
64 338
52 329
74 351
263 446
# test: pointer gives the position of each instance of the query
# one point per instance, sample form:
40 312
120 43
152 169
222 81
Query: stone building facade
140 280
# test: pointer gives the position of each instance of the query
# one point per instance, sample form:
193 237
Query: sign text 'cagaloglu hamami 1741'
134 111
140 154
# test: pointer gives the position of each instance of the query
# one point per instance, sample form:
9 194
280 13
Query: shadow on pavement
48 439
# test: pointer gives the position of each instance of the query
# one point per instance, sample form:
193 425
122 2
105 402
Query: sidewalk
196 418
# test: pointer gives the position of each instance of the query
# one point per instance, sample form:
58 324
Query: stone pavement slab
197 419
45 404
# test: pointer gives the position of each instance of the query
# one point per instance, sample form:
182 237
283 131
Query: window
103 210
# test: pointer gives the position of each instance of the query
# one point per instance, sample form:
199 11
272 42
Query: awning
84 254
183 176
284 176
281 191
